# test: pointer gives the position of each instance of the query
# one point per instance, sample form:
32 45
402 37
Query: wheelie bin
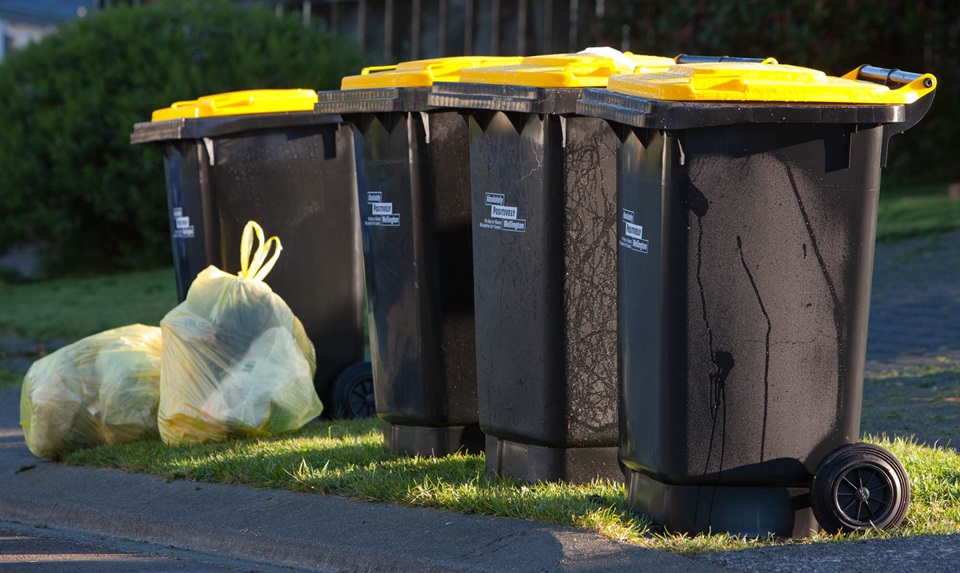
265 155
544 236
414 199
747 206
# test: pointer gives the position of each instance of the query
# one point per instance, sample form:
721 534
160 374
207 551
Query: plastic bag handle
260 266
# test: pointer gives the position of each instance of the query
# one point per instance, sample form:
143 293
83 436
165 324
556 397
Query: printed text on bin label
632 237
182 229
502 217
381 213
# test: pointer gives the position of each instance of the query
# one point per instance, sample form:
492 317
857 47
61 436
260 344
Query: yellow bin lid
581 70
240 103
765 82
421 73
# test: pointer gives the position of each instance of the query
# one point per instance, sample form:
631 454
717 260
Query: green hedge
832 35
69 178
68 175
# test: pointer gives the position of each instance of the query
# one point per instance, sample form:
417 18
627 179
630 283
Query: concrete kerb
304 530
309 531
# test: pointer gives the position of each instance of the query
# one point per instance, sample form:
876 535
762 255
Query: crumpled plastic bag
236 361
103 389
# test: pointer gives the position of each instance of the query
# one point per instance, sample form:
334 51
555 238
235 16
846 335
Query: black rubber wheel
352 393
860 487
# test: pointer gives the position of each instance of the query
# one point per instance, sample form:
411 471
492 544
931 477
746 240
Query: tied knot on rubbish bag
236 361
255 265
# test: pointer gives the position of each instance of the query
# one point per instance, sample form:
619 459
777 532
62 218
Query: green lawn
9 378
916 211
348 459
72 308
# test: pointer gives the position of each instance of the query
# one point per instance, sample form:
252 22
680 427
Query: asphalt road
32 549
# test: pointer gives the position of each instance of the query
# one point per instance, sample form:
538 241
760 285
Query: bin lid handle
366 71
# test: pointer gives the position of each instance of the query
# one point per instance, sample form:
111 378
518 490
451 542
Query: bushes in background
69 179
68 175
830 35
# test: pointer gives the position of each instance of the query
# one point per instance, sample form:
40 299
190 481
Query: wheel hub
863 494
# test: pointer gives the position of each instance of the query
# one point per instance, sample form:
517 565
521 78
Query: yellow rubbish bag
103 389
236 361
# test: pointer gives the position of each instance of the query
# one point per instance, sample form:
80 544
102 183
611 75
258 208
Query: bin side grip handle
913 114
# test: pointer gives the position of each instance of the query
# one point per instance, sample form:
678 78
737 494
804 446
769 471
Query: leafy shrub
829 35
68 175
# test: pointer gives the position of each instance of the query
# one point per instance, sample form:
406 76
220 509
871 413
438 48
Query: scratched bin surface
546 290
543 188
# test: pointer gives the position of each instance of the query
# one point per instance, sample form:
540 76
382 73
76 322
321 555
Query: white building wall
17 35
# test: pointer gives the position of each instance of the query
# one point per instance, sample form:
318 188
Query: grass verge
348 459
916 212
72 308
10 379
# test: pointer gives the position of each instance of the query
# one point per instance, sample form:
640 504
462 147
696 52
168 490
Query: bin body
745 249
294 174
414 200
546 294
543 182
420 279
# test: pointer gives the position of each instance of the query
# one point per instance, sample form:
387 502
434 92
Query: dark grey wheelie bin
265 155
544 249
414 199
747 215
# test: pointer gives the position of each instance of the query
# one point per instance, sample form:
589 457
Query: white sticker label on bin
502 217
381 213
632 237
182 229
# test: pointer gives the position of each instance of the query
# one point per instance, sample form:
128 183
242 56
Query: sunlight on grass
348 459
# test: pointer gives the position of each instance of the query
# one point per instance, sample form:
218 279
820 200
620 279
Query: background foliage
68 175
831 35
69 179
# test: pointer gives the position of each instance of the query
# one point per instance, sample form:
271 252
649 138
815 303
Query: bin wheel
860 487
352 392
